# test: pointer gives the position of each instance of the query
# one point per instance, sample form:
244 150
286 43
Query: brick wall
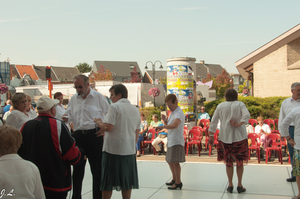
271 75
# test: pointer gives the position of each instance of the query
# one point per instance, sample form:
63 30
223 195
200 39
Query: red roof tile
27 69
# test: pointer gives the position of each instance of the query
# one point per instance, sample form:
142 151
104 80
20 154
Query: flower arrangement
3 88
154 92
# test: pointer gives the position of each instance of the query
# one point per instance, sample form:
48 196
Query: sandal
240 189
230 189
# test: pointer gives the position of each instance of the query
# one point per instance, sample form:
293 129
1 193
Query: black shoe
240 189
230 189
159 152
292 179
170 183
176 186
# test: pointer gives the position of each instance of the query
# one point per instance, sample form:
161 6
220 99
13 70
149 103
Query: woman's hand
234 124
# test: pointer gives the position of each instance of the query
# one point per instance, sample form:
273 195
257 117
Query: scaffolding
5 73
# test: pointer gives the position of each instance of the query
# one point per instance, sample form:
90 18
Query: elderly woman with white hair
19 178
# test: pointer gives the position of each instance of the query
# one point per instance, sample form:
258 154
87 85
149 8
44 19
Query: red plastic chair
252 122
276 146
205 128
271 124
195 137
255 138
216 135
276 126
149 141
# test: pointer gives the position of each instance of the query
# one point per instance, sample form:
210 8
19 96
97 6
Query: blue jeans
138 144
290 148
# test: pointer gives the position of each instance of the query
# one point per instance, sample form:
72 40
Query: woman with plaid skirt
233 143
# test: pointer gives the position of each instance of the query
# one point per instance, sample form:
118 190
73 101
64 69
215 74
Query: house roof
118 68
14 72
158 74
27 69
65 73
202 69
244 65
41 72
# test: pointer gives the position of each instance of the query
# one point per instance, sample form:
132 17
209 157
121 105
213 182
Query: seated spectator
7 106
263 130
7 114
155 122
29 109
202 115
162 137
142 133
18 177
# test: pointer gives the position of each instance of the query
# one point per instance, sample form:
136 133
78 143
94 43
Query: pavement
204 177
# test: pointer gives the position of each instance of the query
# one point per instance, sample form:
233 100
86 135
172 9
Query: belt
88 131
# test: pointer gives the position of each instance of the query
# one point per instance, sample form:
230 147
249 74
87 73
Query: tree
242 87
103 74
221 83
163 80
135 77
84 67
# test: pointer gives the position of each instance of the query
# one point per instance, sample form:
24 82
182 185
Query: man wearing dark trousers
82 109
286 106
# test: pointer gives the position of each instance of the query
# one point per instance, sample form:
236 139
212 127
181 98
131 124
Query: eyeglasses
24 101
112 95
202 109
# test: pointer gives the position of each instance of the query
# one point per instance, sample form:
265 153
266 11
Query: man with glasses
48 144
202 115
82 109
286 106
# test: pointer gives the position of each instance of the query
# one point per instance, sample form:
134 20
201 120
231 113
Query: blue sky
64 33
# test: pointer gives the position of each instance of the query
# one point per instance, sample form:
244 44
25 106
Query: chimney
202 62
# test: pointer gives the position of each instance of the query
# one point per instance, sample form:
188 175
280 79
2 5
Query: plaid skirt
175 154
237 152
296 162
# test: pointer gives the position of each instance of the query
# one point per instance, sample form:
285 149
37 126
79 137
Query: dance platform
205 180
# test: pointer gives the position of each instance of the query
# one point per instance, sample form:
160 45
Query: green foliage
241 87
150 111
268 107
84 67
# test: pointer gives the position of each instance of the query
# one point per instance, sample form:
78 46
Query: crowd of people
39 144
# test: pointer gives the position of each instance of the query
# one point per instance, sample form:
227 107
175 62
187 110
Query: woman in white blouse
18 115
19 178
29 109
60 109
233 143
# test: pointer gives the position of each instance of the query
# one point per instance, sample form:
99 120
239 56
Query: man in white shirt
286 106
293 117
82 109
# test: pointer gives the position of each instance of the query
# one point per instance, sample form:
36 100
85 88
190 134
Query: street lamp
153 71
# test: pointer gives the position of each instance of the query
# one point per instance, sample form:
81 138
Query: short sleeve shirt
175 136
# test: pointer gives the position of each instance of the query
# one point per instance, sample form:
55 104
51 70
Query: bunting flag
209 84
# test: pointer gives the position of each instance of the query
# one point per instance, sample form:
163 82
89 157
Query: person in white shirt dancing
293 117
286 106
82 109
233 142
175 151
